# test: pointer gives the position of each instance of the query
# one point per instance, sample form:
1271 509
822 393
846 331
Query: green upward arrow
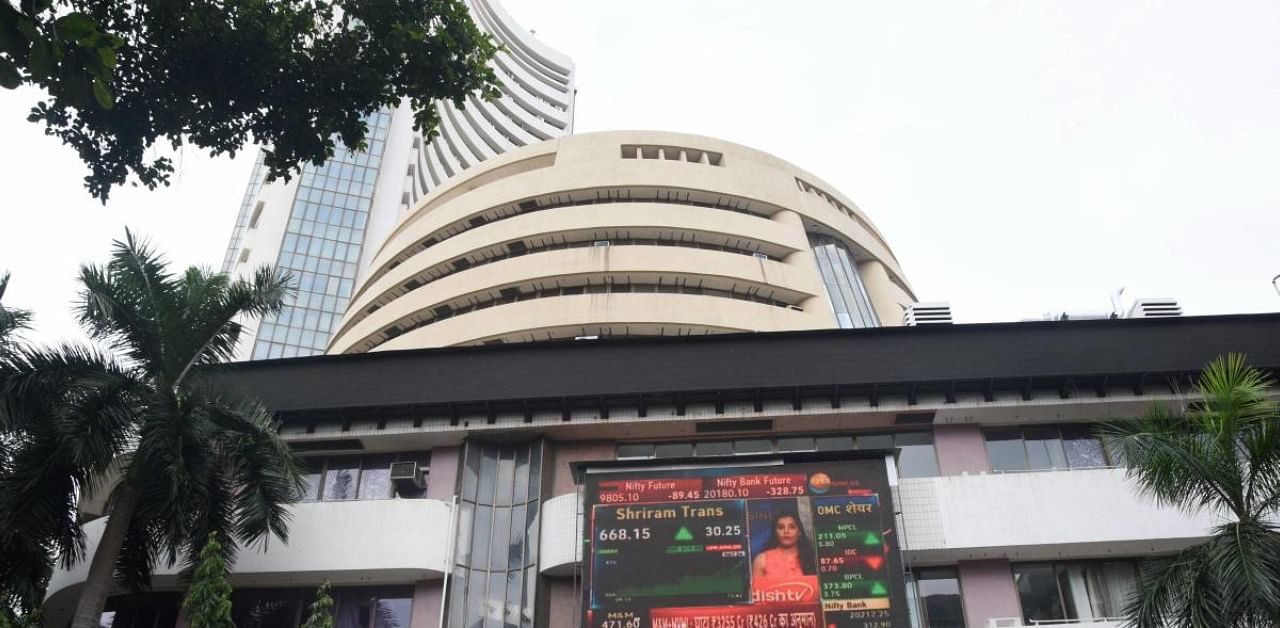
683 534
877 588
872 539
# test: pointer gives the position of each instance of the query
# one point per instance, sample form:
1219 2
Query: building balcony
561 537
1016 622
1089 513
343 542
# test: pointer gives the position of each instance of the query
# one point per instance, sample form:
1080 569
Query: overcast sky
1020 157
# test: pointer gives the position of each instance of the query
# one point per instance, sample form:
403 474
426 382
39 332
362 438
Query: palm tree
12 321
23 569
191 458
1221 455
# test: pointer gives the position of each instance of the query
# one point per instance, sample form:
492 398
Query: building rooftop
1063 358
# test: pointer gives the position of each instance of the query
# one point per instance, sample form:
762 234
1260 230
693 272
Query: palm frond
267 471
215 327
111 313
83 396
1243 556
12 321
1175 464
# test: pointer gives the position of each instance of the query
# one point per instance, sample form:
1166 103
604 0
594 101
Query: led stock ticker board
789 545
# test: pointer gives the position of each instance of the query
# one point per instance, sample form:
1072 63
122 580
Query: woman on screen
788 551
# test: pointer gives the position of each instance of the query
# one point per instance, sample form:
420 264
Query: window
933 598
340 478
145 611
635 450
1039 448
257 213
916 456
714 448
753 446
673 450
377 607
1074 591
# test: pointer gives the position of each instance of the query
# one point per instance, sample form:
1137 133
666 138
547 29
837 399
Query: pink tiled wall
988 591
444 473
961 449
570 452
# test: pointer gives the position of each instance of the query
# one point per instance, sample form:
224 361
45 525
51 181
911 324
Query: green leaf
103 94
42 59
75 26
107 56
9 76
27 27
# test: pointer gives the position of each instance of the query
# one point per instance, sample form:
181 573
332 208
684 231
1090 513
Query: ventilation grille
1154 308
918 314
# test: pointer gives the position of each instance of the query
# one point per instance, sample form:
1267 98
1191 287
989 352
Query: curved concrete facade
623 234
536 104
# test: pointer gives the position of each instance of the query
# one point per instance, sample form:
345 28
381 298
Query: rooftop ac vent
1154 308
602 243
407 478
917 314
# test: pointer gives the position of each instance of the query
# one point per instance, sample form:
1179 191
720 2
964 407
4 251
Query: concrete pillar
443 481
563 601
566 453
427 597
960 449
988 591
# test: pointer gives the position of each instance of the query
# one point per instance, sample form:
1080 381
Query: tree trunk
93 597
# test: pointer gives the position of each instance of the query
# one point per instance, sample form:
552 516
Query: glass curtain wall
494 582
322 245
844 286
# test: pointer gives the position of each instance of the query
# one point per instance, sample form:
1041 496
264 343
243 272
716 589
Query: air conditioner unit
407 478
602 243
759 256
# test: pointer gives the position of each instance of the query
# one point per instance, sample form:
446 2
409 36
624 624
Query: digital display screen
791 545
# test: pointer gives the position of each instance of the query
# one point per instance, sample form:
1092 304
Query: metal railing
1092 622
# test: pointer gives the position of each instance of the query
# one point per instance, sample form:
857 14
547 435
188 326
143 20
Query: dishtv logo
785 592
